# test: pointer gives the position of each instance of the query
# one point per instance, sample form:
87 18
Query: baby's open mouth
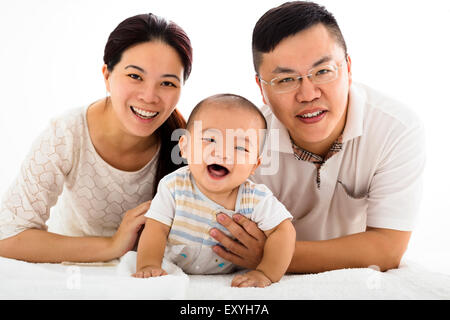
217 170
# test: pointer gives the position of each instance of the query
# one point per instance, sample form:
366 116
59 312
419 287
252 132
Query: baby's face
222 148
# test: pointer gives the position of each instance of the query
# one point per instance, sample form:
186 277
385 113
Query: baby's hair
228 100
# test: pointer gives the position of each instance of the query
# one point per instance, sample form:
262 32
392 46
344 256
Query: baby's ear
257 164
183 143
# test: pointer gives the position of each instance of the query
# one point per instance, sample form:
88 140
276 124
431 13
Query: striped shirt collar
305 155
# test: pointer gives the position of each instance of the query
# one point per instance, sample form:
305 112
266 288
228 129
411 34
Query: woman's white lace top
64 173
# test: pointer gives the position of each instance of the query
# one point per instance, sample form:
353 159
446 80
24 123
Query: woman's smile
143 115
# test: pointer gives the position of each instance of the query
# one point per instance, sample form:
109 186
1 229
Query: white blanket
22 280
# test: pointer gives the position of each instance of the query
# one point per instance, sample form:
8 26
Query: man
350 160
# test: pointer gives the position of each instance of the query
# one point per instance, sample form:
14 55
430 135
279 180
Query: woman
102 162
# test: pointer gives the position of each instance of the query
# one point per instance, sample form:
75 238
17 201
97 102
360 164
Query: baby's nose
222 156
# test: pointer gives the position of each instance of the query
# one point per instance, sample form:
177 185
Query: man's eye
322 72
208 139
286 80
135 76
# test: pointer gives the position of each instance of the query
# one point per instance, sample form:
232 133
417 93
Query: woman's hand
247 250
132 223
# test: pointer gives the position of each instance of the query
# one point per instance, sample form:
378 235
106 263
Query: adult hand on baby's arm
128 232
150 271
247 250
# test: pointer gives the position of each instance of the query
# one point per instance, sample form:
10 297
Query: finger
164 273
247 283
140 221
237 280
235 229
250 226
231 245
229 256
156 273
137 224
146 274
140 209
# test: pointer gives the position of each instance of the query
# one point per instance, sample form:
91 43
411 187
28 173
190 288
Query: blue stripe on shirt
193 238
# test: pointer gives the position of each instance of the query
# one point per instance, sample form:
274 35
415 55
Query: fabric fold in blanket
409 282
22 280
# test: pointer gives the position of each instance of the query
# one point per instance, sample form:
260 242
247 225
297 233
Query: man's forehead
284 69
303 50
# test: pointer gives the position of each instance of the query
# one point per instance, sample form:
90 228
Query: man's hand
247 250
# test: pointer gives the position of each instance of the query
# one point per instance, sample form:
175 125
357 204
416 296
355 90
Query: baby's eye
208 139
135 76
241 149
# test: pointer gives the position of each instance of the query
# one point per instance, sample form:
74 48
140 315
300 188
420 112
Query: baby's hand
252 278
150 271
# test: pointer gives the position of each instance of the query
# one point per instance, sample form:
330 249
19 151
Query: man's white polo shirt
375 180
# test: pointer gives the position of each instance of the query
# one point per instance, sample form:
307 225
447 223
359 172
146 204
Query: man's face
313 114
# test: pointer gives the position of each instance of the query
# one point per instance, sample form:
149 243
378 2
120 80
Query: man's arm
381 247
375 246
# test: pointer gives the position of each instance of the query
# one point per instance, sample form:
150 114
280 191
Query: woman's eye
208 139
168 84
135 76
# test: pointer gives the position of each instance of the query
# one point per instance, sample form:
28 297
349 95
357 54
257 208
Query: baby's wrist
150 265
264 273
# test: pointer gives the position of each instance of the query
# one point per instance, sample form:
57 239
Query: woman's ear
106 75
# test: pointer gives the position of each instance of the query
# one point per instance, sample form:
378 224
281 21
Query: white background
51 56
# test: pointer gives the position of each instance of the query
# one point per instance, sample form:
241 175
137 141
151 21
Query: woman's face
144 86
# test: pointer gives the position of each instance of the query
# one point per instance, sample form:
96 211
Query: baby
222 145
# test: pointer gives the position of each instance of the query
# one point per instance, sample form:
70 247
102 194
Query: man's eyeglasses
318 75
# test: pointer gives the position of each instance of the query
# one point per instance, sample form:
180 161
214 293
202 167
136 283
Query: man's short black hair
286 20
